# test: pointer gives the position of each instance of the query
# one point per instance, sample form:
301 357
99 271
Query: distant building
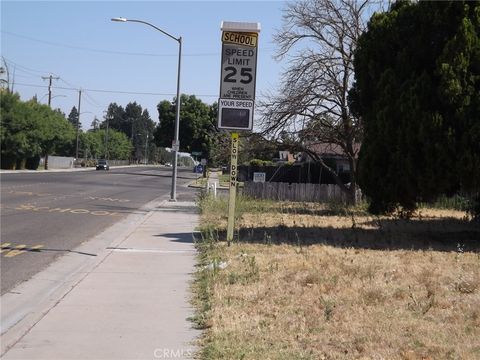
332 152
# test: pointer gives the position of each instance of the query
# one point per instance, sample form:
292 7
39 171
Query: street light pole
173 193
175 142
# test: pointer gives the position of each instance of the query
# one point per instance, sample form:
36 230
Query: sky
125 62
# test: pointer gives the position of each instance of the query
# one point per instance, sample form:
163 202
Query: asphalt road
45 215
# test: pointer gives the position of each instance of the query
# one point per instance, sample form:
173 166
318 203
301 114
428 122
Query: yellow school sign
240 38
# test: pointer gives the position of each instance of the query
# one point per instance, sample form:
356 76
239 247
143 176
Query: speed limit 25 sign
238 74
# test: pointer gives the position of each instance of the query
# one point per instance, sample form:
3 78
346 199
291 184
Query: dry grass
303 285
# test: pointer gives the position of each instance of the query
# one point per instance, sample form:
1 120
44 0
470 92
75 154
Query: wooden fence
296 191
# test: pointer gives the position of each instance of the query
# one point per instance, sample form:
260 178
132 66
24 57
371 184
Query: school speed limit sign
238 75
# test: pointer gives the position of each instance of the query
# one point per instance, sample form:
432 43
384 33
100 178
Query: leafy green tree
16 138
93 143
30 129
119 146
197 125
53 132
417 92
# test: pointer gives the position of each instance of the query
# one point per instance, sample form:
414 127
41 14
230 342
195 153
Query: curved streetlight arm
175 143
120 19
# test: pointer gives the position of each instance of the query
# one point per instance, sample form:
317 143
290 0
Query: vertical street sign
238 75
233 186
237 94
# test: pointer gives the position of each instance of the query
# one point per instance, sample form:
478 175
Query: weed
313 278
253 272
373 296
467 284
233 278
422 305
273 267
328 308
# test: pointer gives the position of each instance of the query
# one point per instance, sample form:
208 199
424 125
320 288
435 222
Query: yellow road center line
4 247
17 251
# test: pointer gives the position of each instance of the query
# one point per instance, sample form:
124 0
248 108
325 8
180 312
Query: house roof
331 149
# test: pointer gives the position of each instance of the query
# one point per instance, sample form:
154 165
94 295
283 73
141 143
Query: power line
115 52
92 101
104 90
120 91
89 98
28 70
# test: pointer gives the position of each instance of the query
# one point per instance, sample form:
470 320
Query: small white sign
175 145
203 162
259 177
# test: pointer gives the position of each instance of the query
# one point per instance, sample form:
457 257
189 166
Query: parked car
102 165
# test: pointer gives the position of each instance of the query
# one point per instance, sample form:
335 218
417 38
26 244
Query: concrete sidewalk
131 301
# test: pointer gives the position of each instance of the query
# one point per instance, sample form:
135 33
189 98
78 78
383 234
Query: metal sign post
232 186
237 94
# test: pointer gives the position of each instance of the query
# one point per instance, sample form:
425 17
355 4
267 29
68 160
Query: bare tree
318 38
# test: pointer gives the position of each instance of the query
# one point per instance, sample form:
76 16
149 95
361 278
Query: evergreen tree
417 91
73 118
116 118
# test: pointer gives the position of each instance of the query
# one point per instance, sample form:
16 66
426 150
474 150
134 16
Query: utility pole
49 104
13 78
146 150
50 86
133 145
106 140
78 120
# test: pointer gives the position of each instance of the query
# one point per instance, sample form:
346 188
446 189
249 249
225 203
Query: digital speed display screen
235 118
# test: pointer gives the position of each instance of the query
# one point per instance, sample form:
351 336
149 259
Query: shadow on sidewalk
186 238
